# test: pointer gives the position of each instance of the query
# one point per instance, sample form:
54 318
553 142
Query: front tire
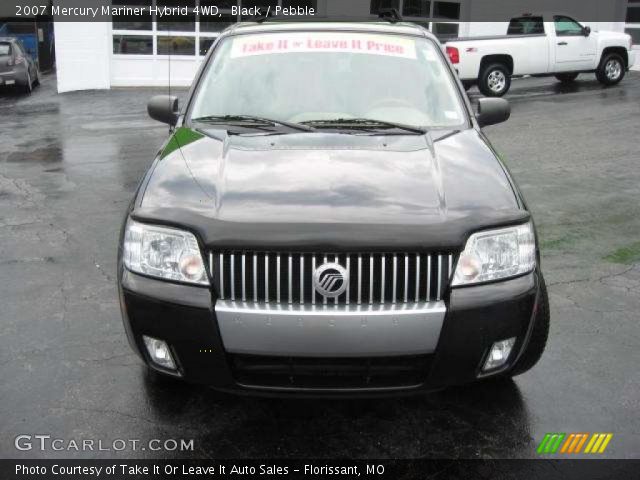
611 70
538 340
566 77
495 80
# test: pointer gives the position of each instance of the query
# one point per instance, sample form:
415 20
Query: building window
177 23
205 45
172 45
416 8
377 5
191 35
450 10
132 23
133 44
633 13
441 18
633 21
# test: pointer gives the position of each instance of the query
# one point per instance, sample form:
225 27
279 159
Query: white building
135 51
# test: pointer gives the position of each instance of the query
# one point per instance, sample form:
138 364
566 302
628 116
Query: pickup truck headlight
496 254
162 252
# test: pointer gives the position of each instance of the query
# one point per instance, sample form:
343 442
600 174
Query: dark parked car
17 68
327 217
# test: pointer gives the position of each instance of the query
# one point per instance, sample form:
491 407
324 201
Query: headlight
163 252
496 254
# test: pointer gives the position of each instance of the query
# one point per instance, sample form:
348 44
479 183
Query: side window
566 27
526 26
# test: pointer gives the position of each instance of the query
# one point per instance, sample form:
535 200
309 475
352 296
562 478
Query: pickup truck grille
287 278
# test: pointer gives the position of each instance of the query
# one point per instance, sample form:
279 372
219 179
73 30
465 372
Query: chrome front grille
287 278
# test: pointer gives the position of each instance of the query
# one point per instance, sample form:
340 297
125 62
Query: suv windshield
327 79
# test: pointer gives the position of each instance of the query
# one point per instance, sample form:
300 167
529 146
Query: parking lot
69 165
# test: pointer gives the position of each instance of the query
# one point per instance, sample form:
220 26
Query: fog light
159 352
499 354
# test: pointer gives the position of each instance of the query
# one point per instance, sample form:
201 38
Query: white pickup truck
540 44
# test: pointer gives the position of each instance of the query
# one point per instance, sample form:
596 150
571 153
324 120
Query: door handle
562 43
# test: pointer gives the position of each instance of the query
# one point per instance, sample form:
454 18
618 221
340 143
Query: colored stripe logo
574 443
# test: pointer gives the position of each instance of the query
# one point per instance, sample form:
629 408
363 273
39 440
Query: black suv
328 218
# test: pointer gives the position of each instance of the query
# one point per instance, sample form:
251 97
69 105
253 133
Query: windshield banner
267 44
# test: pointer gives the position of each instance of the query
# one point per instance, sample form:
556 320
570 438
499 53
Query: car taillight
454 54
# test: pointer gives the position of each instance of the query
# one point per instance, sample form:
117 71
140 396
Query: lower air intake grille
330 373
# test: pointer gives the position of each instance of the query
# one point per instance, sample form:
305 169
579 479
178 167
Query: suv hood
328 190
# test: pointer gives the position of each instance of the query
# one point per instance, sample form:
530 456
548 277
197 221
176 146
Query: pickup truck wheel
611 69
566 77
494 80
538 341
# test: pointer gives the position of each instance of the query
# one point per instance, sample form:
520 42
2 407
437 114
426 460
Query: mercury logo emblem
330 280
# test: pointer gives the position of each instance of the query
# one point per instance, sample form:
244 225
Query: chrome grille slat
348 286
359 279
383 283
278 278
244 278
371 268
406 277
324 299
301 279
255 277
335 260
428 278
233 277
290 278
266 277
313 268
439 277
417 277
393 277
221 266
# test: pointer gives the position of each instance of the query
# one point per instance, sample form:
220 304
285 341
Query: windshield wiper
364 123
248 120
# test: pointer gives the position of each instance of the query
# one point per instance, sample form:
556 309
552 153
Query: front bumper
329 330
213 341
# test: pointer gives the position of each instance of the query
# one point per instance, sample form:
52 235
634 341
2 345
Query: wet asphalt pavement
69 165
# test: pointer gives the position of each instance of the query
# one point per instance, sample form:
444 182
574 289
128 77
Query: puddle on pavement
50 154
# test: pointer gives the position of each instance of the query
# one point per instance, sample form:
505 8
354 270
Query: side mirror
164 108
586 31
492 111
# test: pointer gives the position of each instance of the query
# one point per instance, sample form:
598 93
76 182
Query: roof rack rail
390 14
